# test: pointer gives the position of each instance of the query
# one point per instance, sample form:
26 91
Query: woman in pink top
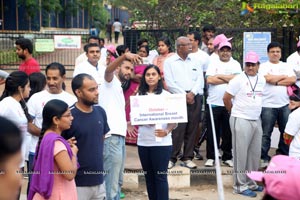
55 163
165 51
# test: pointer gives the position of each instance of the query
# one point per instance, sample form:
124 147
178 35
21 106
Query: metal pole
217 160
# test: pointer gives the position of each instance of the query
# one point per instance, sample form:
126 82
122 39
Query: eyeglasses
67 115
250 65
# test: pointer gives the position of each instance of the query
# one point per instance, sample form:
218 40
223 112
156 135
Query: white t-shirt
294 61
111 99
96 72
202 58
36 104
247 92
117 26
11 109
293 128
216 92
146 135
275 96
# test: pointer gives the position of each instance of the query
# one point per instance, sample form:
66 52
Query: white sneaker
189 164
171 165
229 163
264 163
209 163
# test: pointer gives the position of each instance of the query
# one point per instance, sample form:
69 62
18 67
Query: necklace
252 88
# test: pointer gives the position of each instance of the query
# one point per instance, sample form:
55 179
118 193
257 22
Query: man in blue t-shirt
89 128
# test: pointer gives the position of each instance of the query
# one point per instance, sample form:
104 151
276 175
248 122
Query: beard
22 57
89 103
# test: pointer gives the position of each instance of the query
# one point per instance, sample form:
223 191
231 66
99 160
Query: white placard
158 109
67 41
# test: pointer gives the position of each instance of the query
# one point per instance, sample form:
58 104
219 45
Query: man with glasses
278 75
184 75
218 74
245 90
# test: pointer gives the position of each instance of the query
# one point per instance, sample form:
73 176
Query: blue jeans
268 117
155 161
114 159
30 168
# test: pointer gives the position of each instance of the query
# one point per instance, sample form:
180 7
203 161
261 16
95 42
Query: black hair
89 45
121 49
94 38
209 27
196 34
60 67
25 43
53 108
298 49
101 40
77 81
146 48
15 80
141 41
167 41
144 87
10 140
37 82
273 45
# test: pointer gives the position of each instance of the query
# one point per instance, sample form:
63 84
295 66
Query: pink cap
281 177
220 38
224 44
111 48
298 44
251 57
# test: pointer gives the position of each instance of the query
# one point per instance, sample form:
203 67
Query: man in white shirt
218 74
56 75
243 99
202 59
91 66
82 57
117 28
294 61
111 98
184 75
278 75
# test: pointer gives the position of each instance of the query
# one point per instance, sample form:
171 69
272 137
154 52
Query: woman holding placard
155 141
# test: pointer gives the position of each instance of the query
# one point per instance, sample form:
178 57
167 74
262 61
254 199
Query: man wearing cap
191 85
245 90
294 61
216 41
278 76
208 32
218 74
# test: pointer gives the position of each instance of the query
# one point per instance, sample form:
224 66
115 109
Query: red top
30 66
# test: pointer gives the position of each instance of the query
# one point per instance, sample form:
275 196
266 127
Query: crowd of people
76 142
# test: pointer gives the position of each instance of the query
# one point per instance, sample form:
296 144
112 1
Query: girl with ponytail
13 106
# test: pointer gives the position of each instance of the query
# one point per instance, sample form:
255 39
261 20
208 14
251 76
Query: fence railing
10 61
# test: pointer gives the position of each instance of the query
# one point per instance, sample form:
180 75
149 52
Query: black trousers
221 120
185 133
